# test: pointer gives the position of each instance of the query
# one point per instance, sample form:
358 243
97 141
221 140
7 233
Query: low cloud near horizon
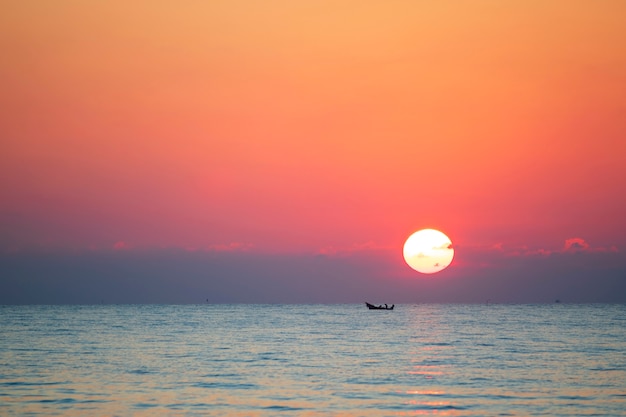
230 273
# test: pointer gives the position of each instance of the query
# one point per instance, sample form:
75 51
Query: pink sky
314 127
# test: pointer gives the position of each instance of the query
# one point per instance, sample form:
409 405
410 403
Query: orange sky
308 126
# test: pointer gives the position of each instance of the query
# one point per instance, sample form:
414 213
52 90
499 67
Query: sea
313 360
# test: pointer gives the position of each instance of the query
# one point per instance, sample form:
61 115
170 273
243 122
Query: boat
380 307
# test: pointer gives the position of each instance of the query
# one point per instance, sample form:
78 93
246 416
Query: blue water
313 360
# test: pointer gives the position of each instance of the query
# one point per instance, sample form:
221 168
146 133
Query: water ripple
268 360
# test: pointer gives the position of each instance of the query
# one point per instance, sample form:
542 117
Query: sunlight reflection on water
315 360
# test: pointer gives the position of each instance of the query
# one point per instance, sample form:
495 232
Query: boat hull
375 307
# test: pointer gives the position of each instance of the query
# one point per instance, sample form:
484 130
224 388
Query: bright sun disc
428 251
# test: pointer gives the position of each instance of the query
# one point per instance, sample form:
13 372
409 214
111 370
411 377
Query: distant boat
380 307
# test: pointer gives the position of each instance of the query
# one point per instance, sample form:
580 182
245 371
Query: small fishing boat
380 307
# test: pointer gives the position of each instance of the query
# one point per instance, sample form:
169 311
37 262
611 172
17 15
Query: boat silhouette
380 307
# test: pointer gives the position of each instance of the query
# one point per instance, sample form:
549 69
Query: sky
281 151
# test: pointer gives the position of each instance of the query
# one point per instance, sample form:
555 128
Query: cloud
575 244
570 246
573 251
174 275
121 245
354 248
230 247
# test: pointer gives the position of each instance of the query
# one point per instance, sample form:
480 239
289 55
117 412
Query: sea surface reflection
313 360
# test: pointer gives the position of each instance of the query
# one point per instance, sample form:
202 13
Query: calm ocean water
313 360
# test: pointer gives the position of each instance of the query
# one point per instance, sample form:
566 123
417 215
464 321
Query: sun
428 251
